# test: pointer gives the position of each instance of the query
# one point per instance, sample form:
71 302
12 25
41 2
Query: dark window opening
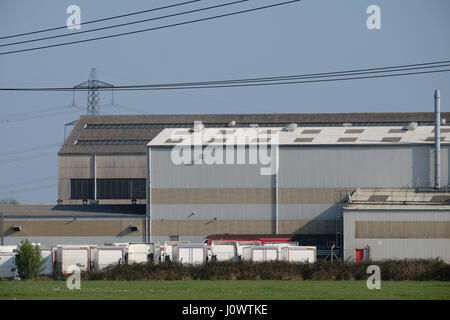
82 189
108 189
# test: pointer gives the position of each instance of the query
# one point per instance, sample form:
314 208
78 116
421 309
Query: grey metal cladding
166 174
406 248
245 212
355 166
208 212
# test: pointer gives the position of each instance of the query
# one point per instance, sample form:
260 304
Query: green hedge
321 270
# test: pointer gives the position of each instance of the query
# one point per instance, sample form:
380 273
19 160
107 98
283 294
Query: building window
108 188
82 189
174 238
120 188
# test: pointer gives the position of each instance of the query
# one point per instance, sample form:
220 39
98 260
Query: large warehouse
108 162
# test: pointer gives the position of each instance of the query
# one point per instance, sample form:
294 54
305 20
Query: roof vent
291 127
411 126
198 126
346 124
231 124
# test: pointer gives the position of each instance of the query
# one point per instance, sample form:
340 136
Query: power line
99 20
51 178
40 187
122 24
37 116
42 155
282 83
277 80
40 111
18 151
150 29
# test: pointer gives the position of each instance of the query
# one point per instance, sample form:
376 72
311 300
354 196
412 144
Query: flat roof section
370 135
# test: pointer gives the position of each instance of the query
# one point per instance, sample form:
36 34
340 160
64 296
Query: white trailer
49 255
166 250
71 255
143 252
299 254
260 253
4 249
240 245
119 244
7 265
224 252
189 254
105 256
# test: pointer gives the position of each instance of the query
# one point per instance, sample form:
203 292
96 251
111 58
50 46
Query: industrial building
397 224
118 181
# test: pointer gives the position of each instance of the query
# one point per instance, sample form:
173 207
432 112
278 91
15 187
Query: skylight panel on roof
303 139
442 130
268 131
396 131
227 131
391 139
178 140
311 131
354 131
378 198
432 139
261 140
347 139
217 140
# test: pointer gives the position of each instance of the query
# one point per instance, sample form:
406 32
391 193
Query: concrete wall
397 234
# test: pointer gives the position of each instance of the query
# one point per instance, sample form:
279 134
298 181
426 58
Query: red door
359 255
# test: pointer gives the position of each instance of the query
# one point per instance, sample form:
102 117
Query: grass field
225 289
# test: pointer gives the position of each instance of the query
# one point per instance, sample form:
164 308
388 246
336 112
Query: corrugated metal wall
397 234
313 181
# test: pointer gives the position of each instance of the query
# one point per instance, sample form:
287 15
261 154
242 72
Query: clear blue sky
305 37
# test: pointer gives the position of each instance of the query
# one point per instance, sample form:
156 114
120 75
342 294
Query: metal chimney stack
437 139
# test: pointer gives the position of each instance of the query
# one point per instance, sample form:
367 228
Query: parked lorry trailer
299 254
143 252
166 250
4 249
260 253
104 256
49 255
7 265
72 255
224 252
192 254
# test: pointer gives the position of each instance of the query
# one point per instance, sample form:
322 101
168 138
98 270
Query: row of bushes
321 270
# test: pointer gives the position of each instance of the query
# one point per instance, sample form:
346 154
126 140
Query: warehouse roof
58 211
399 199
128 134
370 135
